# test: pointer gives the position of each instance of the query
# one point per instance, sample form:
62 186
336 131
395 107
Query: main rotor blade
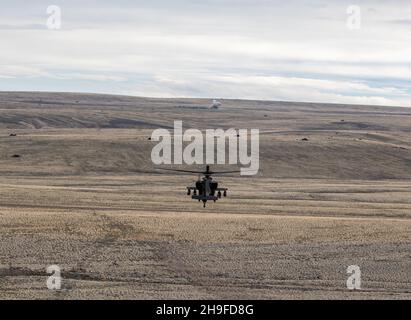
176 170
224 172
201 172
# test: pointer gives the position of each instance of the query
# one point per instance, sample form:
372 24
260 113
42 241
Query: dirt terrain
78 189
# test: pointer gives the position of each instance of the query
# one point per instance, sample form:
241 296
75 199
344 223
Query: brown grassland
84 194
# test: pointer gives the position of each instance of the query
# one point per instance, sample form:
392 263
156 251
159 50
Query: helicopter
205 189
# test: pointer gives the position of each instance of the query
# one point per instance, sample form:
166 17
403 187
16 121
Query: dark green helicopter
205 189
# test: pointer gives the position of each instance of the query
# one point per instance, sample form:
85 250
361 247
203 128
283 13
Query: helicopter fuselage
206 190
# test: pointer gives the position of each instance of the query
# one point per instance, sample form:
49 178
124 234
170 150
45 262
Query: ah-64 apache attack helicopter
205 188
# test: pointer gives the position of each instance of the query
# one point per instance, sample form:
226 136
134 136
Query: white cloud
278 88
242 49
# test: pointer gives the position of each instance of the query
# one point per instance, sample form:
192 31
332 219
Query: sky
295 50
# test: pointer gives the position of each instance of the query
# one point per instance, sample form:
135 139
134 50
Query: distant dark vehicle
205 188
12 135
16 156
304 139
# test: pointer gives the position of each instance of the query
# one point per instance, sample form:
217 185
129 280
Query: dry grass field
78 189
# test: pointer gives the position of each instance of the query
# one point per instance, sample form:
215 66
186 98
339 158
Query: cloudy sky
252 49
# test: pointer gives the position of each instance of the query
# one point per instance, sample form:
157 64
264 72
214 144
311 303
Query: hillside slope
63 134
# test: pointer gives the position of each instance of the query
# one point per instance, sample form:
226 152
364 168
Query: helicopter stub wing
208 198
